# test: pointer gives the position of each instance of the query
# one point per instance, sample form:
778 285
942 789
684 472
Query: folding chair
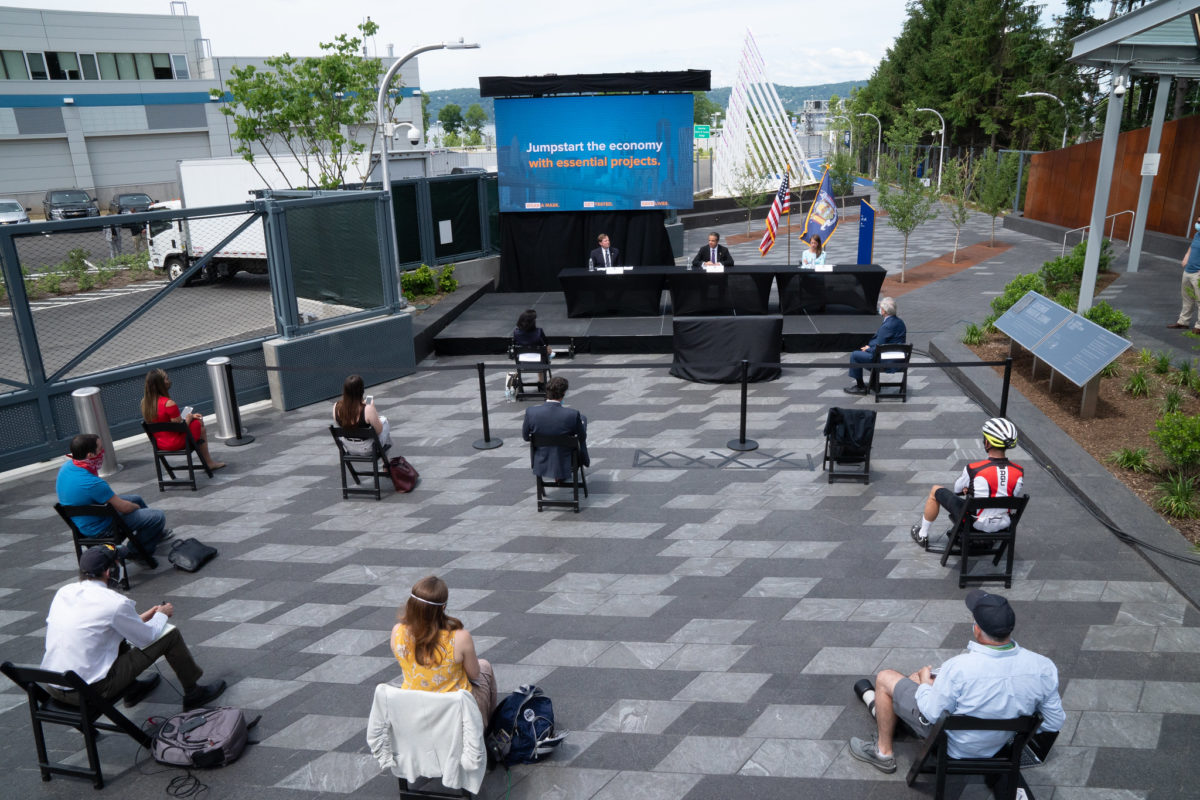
160 456
968 543
376 458
117 533
529 359
1002 772
45 709
578 478
849 433
897 358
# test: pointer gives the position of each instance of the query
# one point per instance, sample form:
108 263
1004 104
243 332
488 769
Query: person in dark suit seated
527 334
552 418
713 253
604 255
891 331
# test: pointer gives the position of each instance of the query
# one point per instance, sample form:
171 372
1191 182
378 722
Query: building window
12 66
108 66
126 71
37 66
162 66
87 64
62 66
181 67
145 66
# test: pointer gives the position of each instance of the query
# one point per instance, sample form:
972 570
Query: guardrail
1111 228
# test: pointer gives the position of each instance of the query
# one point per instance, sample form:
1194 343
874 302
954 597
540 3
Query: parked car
129 203
11 211
69 204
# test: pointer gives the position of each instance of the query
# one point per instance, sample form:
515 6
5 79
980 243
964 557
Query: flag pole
788 169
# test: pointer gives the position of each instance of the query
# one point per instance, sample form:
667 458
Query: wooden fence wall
1062 182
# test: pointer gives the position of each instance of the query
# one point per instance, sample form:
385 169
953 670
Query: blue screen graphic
609 153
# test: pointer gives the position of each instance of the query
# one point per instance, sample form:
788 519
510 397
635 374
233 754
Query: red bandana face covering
91 463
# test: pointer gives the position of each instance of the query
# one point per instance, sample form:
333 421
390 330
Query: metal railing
1083 231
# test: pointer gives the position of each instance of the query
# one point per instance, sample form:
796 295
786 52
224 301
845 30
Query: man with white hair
891 331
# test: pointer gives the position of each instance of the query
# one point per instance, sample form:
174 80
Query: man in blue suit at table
605 255
891 331
552 418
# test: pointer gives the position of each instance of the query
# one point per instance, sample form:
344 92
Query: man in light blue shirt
994 679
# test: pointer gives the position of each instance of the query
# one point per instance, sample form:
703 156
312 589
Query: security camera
414 137
1119 87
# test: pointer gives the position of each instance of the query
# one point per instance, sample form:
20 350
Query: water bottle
591 265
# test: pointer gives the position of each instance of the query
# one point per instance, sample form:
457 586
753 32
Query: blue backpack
521 730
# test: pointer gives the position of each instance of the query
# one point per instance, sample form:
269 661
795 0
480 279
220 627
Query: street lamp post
878 141
942 149
389 130
1066 122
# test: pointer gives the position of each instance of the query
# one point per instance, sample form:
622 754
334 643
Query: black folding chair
578 478
530 360
160 455
849 433
116 534
1002 772
891 358
85 717
965 541
376 459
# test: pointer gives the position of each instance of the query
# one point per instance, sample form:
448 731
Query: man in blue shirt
1190 288
79 484
891 331
994 679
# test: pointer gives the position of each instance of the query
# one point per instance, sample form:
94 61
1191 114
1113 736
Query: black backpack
521 730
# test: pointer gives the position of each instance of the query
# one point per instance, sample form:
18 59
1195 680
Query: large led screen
607 153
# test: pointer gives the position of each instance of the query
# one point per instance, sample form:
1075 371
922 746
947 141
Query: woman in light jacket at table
814 256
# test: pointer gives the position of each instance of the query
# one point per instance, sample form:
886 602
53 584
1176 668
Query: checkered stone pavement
698 628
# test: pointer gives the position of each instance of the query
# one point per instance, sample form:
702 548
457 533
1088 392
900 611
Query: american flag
781 206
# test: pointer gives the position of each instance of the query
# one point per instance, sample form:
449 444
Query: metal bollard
487 442
224 400
89 412
742 444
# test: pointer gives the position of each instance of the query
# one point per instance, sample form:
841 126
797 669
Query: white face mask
1198 227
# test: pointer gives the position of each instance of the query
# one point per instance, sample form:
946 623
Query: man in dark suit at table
552 418
891 331
713 253
604 255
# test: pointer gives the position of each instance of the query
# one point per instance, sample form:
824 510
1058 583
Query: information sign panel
702 131
1031 319
1080 348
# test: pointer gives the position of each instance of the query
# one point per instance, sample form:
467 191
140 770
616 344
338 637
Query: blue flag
822 217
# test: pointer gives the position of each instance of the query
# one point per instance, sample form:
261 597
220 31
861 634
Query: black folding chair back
578 478
1002 772
376 461
85 717
161 461
527 367
885 356
116 534
968 543
849 433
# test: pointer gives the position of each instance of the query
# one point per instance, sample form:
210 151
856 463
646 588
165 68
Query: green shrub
973 335
1179 497
1133 459
1067 298
1146 358
447 283
1108 317
1171 401
85 282
1137 383
1187 370
989 324
1178 436
1111 370
1062 273
76 265
1162 363
50 283
1017 288
418 282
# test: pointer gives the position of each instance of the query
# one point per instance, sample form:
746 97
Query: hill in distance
793 97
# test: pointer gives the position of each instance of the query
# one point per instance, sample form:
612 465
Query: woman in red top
157 406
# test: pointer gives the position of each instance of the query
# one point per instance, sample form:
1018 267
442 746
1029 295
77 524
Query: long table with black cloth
637 292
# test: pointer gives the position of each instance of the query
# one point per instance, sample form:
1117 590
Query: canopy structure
1161 38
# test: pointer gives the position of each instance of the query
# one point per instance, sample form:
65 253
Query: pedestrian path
87 297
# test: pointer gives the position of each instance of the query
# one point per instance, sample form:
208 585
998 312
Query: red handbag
404 477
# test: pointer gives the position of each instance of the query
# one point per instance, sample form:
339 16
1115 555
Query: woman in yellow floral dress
436 653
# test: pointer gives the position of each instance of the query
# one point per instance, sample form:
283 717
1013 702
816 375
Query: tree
314 108
748 190
473 138
841 172
451 118
996 186
475 118
907 200
958 184
703 109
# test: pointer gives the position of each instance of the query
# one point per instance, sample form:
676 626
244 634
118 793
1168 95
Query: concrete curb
1075 467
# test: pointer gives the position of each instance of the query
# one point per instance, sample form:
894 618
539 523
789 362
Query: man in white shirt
98 633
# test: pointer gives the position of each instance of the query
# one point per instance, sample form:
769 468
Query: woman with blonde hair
436 653
157 406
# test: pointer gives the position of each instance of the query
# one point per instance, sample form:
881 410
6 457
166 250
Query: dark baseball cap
97 559
993 614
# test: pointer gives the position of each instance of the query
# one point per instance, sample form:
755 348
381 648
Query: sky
803 43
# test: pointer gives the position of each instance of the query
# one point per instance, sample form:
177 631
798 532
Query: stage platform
485 328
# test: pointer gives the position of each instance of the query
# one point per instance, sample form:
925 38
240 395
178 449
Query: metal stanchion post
1004 390
220 376
487 442
89 413
742 444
